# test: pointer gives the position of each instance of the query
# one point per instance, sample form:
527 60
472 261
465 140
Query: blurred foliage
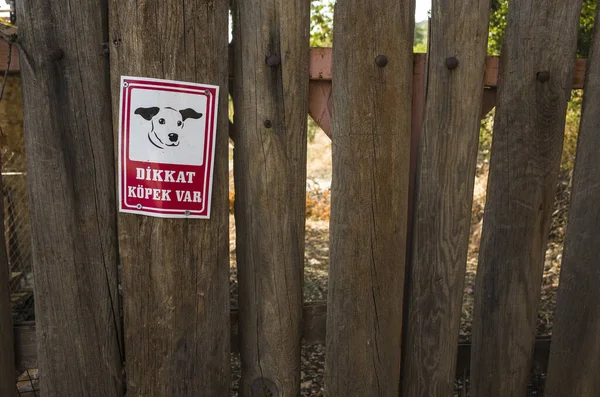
318 202
321 23
571 130
421 31
499 11
313 127
586 28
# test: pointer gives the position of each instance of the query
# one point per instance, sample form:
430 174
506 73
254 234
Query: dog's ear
147 113
189 114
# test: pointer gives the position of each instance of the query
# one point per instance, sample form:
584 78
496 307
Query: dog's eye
179 123
161 121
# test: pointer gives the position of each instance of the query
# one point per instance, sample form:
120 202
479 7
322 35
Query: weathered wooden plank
175 271
270 101
25 346
313 325
444 194
320 100
575 355
372 89
7 357
70 178
534 87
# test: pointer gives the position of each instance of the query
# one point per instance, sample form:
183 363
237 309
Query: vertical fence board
371 155
7 356
445 177
575 353
175 271
271 97
70 175
534 86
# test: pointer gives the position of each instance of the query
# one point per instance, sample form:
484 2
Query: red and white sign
166 147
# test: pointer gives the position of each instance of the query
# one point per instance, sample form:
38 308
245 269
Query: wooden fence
405 133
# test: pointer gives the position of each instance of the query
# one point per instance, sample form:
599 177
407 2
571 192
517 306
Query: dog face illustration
166 124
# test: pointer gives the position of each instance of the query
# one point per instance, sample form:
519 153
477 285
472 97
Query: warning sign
166 147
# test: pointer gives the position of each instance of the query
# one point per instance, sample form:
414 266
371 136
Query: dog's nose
173 137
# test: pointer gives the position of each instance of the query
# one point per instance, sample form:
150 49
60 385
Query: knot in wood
273 60
452 63
381 61
263 387
543 76
57 54
104 50
268 124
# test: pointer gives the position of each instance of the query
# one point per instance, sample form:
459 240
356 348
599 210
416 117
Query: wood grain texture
444 194
270 185
371 155
7 356
175 271
575 356
526 150
314 317
70 177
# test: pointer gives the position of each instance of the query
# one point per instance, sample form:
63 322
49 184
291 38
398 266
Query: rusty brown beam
320 65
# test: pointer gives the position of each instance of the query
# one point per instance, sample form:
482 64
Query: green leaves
321 23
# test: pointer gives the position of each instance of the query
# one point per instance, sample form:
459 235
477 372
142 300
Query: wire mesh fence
17 232
28 384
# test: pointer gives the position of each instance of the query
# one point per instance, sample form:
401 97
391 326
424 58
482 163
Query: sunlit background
423 7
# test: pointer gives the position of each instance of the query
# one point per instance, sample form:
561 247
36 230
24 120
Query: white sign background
191 135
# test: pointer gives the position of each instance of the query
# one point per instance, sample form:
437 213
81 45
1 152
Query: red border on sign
177 210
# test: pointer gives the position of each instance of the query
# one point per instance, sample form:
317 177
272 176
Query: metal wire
17 233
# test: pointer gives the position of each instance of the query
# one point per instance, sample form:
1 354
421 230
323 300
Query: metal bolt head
125 84
187 213
381 60
207 92
273 60
268 124
543 76
139 206
452 63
